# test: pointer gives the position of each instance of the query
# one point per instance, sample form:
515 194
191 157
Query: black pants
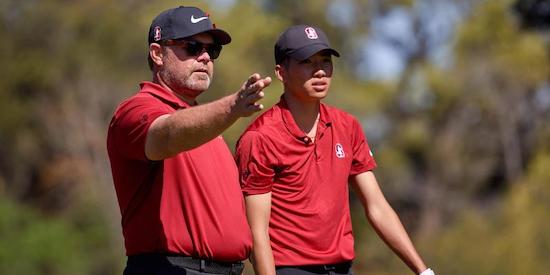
159 264
333 269
165 271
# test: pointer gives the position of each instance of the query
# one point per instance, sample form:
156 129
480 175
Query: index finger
251 79
259 85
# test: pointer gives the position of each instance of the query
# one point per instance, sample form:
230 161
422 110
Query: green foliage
36 243
510 240
464 160
492 40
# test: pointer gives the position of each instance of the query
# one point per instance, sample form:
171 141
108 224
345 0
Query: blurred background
453 95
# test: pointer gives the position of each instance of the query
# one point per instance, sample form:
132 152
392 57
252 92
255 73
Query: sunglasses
195 48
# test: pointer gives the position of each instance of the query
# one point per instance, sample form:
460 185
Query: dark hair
284 61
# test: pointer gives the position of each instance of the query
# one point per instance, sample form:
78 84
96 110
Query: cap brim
307 51
220 36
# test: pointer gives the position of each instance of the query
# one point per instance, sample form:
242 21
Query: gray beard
198 84
192 86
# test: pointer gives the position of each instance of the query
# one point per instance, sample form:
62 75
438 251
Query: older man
175 178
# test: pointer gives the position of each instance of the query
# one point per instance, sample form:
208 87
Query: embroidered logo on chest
339 151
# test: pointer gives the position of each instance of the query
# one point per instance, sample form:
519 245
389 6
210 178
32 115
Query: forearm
192 127
388 226
262 256
385 221
258 211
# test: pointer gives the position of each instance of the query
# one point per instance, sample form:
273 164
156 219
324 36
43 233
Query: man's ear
155 52
280 72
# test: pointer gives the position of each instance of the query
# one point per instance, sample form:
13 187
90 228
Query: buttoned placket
321 128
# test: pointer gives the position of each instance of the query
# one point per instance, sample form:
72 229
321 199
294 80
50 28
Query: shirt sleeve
363 159
131 123
256 169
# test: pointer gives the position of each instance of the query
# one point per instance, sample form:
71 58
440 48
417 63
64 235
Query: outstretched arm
188 128
385 221
258 210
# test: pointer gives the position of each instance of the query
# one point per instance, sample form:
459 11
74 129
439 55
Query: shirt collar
163 94
325 121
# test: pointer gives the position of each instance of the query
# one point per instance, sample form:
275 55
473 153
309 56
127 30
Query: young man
295 161
175 178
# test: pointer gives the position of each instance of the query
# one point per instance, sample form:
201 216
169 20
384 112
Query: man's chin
199 85
316 93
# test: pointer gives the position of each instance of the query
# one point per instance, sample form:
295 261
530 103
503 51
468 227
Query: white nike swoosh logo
197 20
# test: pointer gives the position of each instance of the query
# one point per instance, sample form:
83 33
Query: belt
202 265
323 269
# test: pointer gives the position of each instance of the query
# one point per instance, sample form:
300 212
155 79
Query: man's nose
204 56
319 72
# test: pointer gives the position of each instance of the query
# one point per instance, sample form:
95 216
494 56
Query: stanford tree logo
339 151
157 32
311 33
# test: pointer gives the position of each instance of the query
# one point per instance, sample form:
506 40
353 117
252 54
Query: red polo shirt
189 204
310 218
